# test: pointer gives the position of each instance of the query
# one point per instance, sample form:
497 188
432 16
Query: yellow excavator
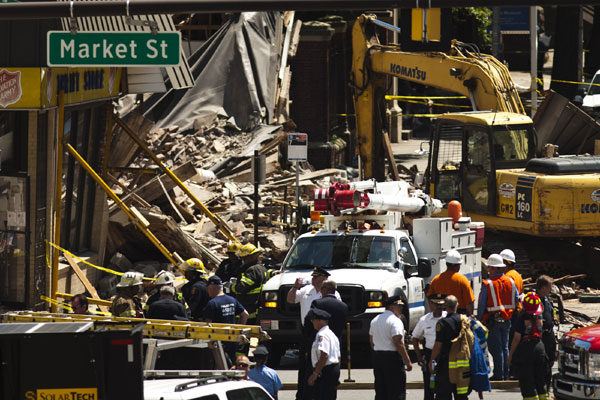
484 158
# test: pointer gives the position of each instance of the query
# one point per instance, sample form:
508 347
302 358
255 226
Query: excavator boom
479 77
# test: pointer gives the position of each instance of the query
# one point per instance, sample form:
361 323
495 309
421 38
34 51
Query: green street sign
113 49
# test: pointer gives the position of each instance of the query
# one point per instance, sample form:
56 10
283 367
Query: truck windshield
348 251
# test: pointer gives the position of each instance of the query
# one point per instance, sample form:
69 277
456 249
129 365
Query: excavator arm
482 78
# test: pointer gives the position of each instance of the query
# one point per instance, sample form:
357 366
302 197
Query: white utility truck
364 246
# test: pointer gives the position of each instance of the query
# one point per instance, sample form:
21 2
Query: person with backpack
448 329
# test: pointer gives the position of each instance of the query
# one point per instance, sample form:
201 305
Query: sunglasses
243 365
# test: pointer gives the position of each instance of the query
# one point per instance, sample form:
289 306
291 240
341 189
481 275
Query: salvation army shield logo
10 87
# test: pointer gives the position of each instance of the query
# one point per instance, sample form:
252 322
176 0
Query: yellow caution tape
110 271
67 307
389 97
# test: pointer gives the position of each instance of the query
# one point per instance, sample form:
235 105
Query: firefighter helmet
194 264
164 278
247 249
233 247
532 303
131 278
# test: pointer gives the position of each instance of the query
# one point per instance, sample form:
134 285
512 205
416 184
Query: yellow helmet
195 264
247 250
233 247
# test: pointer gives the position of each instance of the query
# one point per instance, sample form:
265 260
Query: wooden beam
390 155
90 288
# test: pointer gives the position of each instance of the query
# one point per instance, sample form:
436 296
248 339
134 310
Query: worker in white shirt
325 356
390 358
305 295
425 331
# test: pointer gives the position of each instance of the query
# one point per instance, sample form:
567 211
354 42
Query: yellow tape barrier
389 97
68 307
110 271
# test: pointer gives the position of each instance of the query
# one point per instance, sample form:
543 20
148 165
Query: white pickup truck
370 259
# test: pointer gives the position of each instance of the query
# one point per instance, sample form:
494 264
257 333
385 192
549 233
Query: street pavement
366 376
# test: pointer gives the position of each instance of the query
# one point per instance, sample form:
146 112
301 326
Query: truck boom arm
482 78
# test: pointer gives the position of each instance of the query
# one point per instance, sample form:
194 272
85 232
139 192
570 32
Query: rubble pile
210 162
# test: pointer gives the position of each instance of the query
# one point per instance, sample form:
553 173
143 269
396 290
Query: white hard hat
508 255
131 278
164 278
453 257
495 260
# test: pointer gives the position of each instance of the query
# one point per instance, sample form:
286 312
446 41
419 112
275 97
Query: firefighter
447 329
451 282
127 303
230 267
497 301
527 353
165 278
253 275
195 292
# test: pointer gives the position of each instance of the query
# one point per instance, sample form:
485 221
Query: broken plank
89 287
387 145
151 190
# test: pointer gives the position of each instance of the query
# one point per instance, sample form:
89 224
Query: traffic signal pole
64 9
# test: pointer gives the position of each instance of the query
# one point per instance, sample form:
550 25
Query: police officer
333 305
230 267
126 303
250 281
390 358
424 331
306 295
164 278
166 307
497 301
447 328
194 291
454 283
325 357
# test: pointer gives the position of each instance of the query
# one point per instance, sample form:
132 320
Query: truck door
478 177
443 170
415 286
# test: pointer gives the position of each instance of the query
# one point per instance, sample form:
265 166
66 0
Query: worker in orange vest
498 299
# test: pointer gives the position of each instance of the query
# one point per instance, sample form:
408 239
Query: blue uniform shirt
266 377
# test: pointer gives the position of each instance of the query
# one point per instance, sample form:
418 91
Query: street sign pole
297 151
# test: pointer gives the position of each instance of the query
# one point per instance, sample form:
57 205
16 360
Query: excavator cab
466 151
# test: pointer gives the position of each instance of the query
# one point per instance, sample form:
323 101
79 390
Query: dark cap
437 298
215 280
261 352
317 313
393 300
320 271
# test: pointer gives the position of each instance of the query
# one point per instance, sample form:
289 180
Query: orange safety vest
500 297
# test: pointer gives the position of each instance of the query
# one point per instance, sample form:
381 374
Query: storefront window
13 134
13 228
